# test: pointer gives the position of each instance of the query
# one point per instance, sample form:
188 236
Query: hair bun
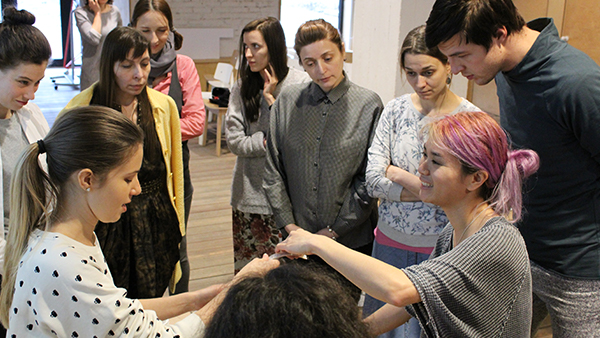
12 16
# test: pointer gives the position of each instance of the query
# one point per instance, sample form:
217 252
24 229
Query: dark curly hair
292 301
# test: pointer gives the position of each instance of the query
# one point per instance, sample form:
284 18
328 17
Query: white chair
222 77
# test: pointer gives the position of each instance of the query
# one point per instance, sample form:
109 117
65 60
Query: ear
85 178
476 180
343 51
501 35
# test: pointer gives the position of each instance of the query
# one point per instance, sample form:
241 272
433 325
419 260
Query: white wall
379 29
222 14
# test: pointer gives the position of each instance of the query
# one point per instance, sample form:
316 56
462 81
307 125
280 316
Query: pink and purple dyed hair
479 143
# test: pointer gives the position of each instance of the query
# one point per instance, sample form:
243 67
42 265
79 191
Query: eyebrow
433 153
422 69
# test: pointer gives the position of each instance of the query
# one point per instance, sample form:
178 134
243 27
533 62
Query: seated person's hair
293 300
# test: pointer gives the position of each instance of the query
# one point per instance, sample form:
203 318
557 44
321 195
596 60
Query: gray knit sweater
481 288
246 140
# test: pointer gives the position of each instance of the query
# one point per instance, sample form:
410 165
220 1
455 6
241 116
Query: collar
318 95
547 42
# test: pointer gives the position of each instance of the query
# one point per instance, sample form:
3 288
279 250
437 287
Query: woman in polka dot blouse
57 282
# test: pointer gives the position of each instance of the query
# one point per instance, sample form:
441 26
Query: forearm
97 23
409 181
375 277
169 307
386 319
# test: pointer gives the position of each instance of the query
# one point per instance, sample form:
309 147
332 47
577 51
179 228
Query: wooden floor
210 247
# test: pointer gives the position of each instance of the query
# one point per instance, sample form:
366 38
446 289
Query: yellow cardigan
166 119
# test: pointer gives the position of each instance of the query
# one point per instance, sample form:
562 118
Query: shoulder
186 61
115 10
295 76
366 95
466 105
160 100
81 99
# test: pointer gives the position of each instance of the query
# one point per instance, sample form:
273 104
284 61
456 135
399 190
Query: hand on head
94 6
299 242
257 267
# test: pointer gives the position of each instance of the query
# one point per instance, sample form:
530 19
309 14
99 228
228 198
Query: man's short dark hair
477 21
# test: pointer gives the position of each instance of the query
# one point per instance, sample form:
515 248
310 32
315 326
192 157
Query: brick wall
222 14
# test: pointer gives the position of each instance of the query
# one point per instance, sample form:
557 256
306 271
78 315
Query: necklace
469 225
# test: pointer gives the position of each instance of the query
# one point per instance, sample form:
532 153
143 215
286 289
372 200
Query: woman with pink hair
477 281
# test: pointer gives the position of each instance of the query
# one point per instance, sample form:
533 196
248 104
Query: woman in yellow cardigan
142 248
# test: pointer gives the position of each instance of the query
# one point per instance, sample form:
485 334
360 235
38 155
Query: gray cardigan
246 140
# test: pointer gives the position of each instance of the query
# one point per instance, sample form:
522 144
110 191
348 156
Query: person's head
100 2
470 33
124 65
262 45
468 154
154 19
321 52
24 54
92 152
290 301
427 69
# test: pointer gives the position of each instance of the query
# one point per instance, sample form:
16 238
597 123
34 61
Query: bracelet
331 232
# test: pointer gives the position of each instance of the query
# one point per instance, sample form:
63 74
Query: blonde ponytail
29 195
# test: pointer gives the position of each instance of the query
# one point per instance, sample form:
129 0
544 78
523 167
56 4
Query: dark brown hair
252 82
20 42
316 30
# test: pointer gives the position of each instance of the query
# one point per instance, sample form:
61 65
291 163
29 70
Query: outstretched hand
300 242
258 267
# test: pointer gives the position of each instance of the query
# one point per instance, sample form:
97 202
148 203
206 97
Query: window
296 12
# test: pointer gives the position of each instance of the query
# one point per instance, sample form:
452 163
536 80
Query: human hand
325 232
271 81
291 227
257 267
94 6
203 296
299 242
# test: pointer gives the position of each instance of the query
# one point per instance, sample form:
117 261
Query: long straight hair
93 137
479 143
117 46
252 82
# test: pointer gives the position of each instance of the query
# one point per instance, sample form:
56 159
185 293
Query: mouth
469 77
325 79
22 102
426 185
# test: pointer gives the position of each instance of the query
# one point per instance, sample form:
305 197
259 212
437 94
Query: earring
88 189
448 79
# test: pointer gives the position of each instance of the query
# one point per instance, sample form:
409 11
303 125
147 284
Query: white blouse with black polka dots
64 289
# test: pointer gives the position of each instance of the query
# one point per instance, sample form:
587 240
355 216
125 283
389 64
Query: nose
423 167
248 53
154 39
421 81
137 188
319 68
30 93
455 66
